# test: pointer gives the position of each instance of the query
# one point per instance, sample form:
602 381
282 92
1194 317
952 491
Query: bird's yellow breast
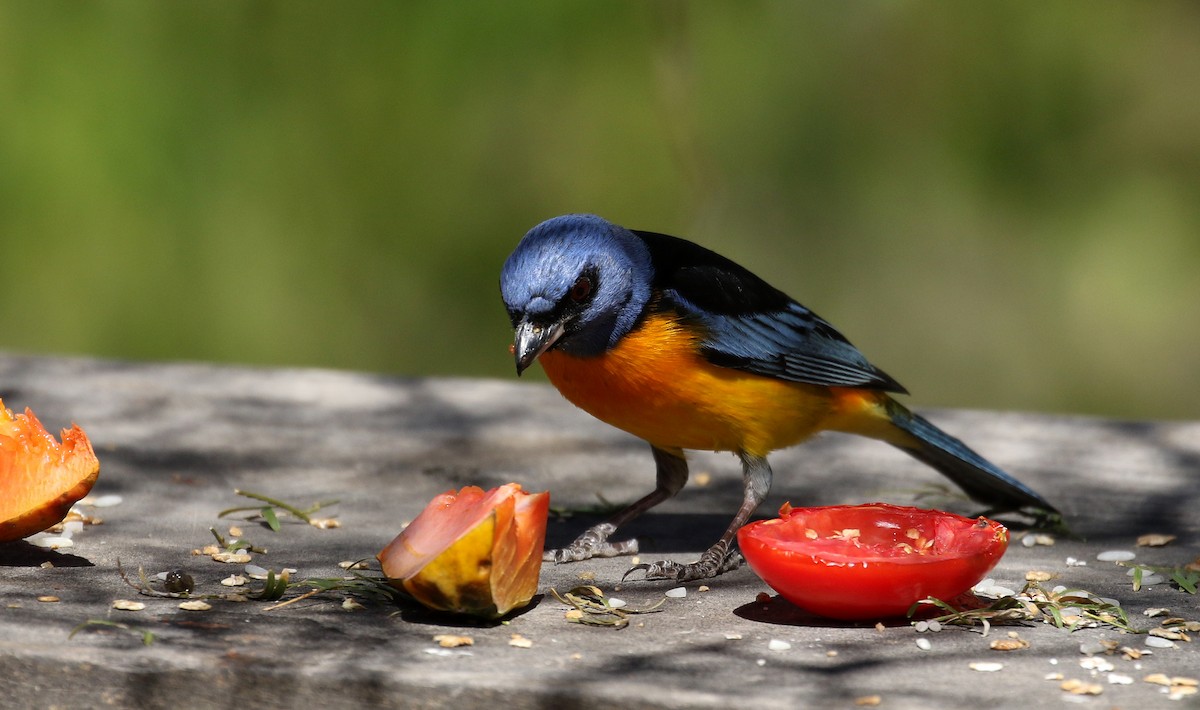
655 385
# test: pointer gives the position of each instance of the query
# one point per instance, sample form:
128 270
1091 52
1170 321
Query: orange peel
472 552
40 478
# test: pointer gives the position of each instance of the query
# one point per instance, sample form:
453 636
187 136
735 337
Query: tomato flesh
870 561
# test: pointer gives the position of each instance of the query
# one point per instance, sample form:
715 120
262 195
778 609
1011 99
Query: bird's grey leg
672 474
723 556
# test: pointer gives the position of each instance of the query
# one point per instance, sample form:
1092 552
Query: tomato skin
870 561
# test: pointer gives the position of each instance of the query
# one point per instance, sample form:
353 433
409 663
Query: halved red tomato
870 561
472 551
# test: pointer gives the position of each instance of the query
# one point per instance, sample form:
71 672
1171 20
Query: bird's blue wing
749 325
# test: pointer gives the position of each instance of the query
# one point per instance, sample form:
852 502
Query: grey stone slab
176 439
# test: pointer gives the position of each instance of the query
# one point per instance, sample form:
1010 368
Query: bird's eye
581 289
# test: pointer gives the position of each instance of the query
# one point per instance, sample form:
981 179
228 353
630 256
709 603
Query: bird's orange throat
655 385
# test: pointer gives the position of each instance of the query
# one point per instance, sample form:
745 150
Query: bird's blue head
576 282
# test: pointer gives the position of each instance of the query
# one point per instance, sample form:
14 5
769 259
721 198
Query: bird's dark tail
978 477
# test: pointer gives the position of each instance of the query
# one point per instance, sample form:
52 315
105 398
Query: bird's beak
531 340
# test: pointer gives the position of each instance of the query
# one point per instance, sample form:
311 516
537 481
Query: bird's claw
593 543
711 564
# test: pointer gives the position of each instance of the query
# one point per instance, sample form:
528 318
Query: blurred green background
998 202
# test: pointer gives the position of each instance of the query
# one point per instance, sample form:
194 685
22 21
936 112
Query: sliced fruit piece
472 552
40 479
870 561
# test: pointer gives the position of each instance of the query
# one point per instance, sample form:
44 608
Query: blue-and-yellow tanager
685 349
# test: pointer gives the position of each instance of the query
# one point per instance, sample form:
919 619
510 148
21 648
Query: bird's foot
717 560
593 543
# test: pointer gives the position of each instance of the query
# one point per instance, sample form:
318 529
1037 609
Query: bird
687 350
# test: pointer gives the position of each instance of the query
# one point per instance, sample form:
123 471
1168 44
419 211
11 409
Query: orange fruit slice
40 479
472 552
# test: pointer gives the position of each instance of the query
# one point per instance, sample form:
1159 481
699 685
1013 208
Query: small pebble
234 580
1159 642
106 501
677 592
519 641
256 572
924 644
53 542
615 603
127 605
985 667
778 645
1116 556
1119 679
1156 611
1072 562
1096 663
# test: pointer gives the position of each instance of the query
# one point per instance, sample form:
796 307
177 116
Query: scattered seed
106 501
573 615
778 645
351 604
1116 556
762 598
676 593
1079 687
235 531
1132 654
702 479
48 598
1008 644
1119 679
453 640
127 605
733 637
702 588
325 523
195 605
1053 676
234 580
869 701
231 558
1169 634
1154 540
831 654
519 641
1037 575
1072 562
615 603
353 564
985 667
47 565
1158 679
